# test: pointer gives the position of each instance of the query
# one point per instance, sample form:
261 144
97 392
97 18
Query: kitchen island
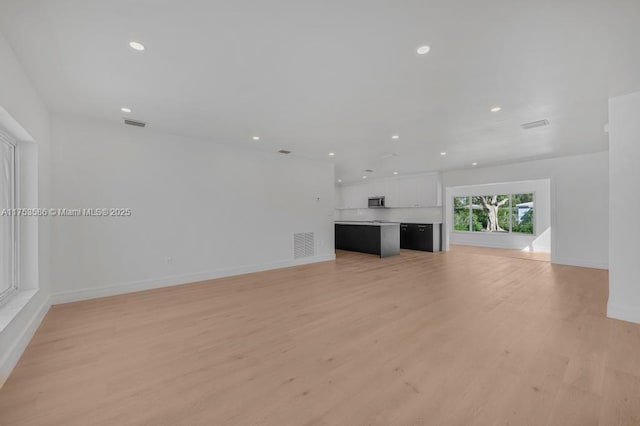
380 238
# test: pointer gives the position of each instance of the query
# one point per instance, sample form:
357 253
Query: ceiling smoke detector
534 124
135 123
284 151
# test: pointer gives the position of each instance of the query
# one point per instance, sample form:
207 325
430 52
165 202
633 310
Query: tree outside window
510 213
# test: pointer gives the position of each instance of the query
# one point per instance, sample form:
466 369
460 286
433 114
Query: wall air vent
534 124
284 151
303 245
134 123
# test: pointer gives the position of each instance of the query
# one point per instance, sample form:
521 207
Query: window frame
7 294
510 232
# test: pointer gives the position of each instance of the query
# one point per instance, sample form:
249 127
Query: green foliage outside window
523 213
461 213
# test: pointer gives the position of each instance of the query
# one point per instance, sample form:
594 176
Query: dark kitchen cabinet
406 236
365 239
382 240
420 236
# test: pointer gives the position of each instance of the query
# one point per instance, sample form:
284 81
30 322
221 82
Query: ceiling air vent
534 124
369 171
134 123
284 151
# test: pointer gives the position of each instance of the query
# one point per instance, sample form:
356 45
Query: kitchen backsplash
413 214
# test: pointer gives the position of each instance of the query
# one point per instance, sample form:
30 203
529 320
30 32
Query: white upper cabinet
420 191
353 197
345 196
406 191
416 191
375 188
362 196
388 188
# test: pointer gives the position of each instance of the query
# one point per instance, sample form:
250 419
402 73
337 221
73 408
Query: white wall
541 241
21 104
579 211
624 204
214 210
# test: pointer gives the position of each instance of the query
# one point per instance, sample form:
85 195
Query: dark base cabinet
381 240
420 236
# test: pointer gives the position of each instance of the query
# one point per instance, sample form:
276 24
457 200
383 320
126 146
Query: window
522 213
461 213
507 213
7 220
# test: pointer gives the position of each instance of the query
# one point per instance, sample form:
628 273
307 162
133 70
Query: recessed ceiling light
256 138
395 137
332 154
135 45
125 109
395 173
474 164
423 50
339 180
443 153
496 109
364 177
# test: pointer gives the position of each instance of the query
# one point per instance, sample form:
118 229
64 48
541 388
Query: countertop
422 222
374 223
368 223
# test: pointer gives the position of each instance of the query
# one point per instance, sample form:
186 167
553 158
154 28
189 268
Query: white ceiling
341 76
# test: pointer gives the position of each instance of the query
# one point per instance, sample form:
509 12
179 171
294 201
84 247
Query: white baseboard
11 357
579 262
624 313
123 288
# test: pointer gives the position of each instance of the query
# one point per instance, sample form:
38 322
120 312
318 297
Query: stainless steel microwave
376 202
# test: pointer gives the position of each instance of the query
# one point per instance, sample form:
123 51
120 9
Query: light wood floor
458 338
520 254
